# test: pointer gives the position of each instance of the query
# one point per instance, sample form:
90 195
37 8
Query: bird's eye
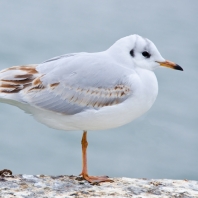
146 54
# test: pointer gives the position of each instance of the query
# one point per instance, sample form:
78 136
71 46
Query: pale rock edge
33 186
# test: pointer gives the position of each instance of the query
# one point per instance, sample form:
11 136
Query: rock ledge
42 186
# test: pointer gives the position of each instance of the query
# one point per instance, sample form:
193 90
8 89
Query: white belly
107 117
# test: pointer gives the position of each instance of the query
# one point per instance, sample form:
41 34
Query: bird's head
141 52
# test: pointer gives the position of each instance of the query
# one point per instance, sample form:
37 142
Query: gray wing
77 82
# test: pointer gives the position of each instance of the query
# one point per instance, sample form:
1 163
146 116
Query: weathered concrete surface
42 186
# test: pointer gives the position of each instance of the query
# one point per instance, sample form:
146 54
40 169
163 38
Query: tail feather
15 79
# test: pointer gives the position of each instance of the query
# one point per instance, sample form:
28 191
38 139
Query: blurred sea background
161 144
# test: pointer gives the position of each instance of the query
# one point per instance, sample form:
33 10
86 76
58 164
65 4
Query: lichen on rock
43 186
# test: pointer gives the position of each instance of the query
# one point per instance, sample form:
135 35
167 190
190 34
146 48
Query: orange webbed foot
95 179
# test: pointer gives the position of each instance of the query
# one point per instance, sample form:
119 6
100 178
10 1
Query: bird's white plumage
86 91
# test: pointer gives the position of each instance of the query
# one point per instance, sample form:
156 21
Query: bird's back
67 84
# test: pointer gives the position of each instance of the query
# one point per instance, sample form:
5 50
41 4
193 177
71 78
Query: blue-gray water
161 144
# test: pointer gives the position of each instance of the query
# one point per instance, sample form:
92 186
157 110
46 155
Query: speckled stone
43 186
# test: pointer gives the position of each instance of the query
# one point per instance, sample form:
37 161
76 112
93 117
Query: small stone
74 194
79 179
155 183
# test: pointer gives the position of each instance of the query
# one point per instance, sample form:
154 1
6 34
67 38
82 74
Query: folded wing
68 84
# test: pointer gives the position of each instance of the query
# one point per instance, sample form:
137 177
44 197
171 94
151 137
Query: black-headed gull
88 91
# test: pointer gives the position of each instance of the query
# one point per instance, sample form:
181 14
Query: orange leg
84 174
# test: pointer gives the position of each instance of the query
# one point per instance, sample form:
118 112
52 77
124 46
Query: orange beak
170 64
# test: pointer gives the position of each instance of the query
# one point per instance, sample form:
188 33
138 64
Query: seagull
88 91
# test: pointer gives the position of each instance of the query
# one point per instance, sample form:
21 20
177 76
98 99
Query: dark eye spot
146 54
132 53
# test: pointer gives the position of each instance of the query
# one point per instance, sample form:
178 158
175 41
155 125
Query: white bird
88 91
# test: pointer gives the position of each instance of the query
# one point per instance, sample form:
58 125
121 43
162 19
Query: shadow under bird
88 91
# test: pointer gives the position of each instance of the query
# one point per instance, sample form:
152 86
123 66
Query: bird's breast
146 90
